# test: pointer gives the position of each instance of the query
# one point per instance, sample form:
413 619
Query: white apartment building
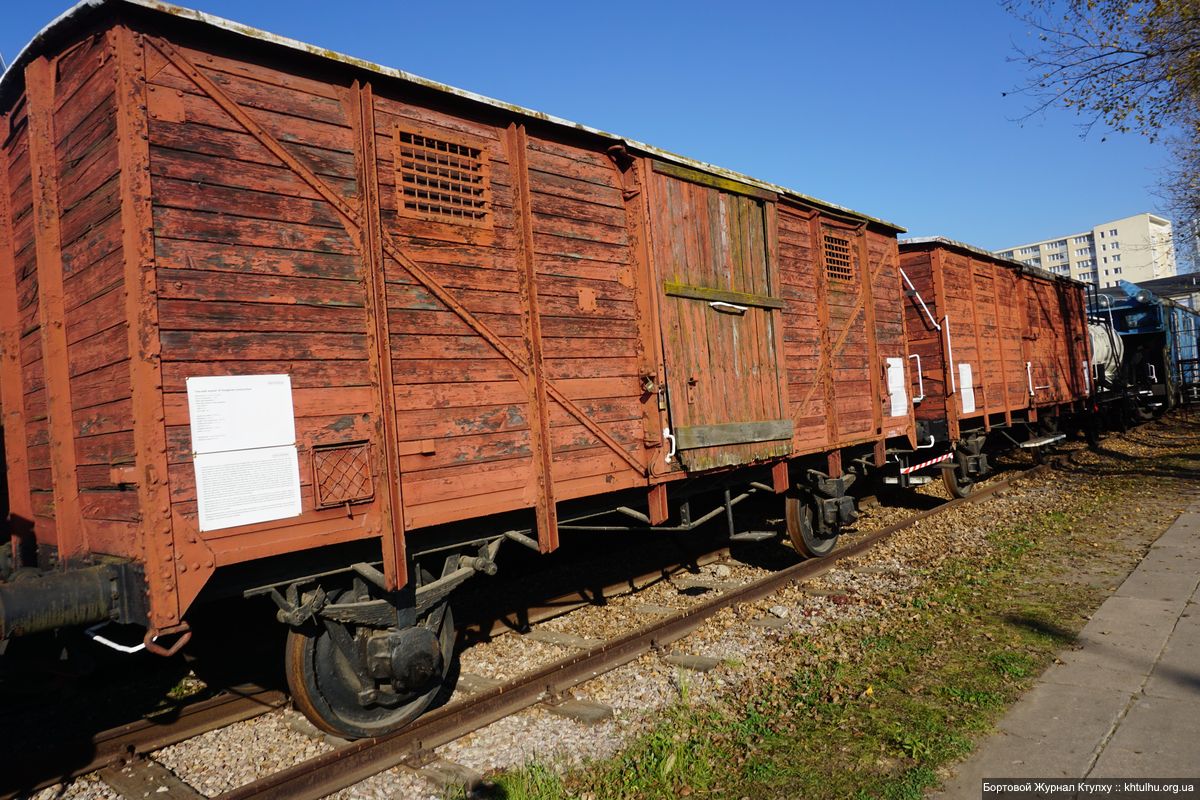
1135 249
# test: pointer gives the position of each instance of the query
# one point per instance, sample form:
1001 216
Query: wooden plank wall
888 296
1055 310
709 237
94 292
1008 294
851 352
585 286
453 387
804 346
1000 319
258 271
26 430
259 275
923 338
958 301
80 163
834 360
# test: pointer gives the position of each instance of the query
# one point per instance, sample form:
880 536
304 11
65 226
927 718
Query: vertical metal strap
870 329
997 309
950 355
981 380
145 373
541 445
379 350
43 163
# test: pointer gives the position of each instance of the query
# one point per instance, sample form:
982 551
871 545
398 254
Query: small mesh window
839 265
443 180
342 474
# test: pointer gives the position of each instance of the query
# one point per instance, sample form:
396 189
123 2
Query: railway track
132 741
115 745
345 766
130 745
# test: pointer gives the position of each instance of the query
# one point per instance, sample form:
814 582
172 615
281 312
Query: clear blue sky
894 109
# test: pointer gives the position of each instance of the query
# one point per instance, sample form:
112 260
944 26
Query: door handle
920 380
727 308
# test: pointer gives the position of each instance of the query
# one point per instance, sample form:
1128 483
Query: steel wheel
325 686
954 486
807 541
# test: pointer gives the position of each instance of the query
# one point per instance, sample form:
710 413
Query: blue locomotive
1152 363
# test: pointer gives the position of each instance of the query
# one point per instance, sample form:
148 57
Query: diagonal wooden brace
351 219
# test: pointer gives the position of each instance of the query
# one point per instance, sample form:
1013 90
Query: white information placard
241 487
897 387
240 412
966 388
244 449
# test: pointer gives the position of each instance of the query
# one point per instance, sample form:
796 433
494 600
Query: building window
1101 234
443 179
1112 232
1115 245
838 263
1117 271
1106 259
1080 240
1116 259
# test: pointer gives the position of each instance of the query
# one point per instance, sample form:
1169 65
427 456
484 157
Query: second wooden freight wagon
1000 346
281 321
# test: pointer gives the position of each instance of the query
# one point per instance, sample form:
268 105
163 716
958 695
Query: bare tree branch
1132 66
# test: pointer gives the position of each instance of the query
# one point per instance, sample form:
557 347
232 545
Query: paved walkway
1125 705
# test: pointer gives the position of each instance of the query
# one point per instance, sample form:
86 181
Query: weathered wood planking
497 359
1021 333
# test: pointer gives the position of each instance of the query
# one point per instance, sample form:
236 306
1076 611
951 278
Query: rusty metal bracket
154 634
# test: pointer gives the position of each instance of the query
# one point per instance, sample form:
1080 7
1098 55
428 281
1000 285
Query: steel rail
28 772
346 766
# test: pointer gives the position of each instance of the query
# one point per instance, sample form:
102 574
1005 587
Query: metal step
913 480
1042 441
753 536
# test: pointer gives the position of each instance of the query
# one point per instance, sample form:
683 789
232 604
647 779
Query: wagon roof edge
64 22
914 241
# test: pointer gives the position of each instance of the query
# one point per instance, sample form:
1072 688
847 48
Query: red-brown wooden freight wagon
1000 344
366 307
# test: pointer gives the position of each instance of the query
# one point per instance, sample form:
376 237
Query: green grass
901 697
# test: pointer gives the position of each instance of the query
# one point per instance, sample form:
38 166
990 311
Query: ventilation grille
443 180
342 474
838 264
